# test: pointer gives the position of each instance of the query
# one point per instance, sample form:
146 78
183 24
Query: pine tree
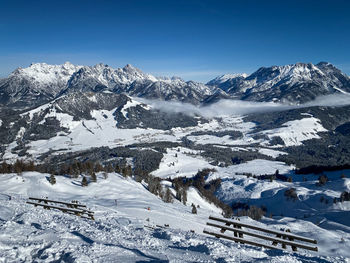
30 166
52 179
117 169
84 182
18 167
127 171
168 198
109 168
184 196
178 194
98 167
93 177
194 209
5 168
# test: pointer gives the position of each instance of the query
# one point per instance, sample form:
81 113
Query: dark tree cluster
270 177
73 170
253 212
181 184
155 187
18 167
317 169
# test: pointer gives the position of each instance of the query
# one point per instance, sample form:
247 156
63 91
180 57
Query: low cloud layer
240 107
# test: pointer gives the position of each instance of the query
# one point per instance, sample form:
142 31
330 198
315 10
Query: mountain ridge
294 83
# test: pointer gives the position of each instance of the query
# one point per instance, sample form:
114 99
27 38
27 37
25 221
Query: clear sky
193 39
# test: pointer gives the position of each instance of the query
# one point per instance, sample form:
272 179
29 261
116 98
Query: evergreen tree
117 169
52 179
98 167
93 177
30 166
178 194
323 179
194 209
84 182
127 171
184 196
168 198
18 167
5 168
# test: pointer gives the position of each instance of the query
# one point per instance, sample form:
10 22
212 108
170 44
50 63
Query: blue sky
193 39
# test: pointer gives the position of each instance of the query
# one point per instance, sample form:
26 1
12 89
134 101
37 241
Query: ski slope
125 230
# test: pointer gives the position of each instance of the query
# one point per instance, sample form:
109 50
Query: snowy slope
295 132
123 231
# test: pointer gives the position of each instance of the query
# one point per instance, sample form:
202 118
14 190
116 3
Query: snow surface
314 204
270 152
124 229
181 162
131 104
293 133
47 78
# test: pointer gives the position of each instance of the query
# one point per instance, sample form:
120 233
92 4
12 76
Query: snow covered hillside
125 230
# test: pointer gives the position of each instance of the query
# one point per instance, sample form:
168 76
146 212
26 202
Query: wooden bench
235 226
70 208
72 204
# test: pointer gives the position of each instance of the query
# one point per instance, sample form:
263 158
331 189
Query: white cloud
240 107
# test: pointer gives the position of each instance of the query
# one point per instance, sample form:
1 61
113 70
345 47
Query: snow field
293 133
121 232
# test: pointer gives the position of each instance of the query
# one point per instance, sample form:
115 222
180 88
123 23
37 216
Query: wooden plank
275 232
278 240
58 202
237 239
76 211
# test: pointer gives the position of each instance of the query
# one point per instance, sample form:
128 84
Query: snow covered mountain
37 84
103 77
40 83
296 83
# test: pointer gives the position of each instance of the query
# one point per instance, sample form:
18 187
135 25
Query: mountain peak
227 78
131 68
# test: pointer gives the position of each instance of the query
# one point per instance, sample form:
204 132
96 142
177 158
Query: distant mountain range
296 83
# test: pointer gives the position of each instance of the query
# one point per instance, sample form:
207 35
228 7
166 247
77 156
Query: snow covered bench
70 208
235 226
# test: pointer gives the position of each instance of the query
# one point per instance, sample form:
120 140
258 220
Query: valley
236 146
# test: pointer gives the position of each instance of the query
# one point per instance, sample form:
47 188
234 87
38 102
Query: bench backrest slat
58 202
284 234
279 240
237 239
62 208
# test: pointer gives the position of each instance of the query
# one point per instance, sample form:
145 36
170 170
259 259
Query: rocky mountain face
37 84
296 83
134 82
